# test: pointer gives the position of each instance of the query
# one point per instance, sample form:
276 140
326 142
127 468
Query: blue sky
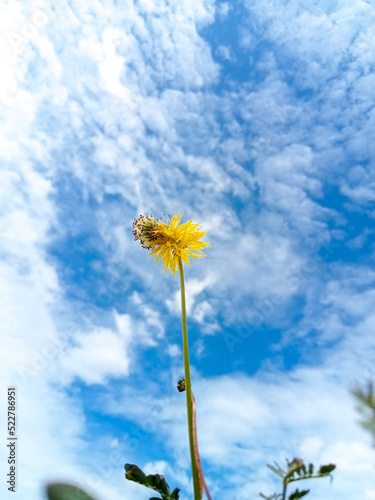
255 118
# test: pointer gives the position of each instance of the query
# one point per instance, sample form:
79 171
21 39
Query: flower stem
189 399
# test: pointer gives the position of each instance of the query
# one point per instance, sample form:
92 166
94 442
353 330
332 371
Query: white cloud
246 422
151 328
125 100
224 52
112 67
360 186
99 355
174 350
223 9
192 289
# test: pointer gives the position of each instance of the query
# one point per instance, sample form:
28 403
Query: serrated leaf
277 470
156 482
326 469
298 494
66 491
175 494
134 473
296 466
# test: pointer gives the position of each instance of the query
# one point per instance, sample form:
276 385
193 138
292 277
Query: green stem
284 490
189 399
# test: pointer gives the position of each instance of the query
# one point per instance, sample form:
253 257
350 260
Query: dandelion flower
174 243
170 242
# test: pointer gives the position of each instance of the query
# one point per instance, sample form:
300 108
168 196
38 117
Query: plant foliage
156 482
296 470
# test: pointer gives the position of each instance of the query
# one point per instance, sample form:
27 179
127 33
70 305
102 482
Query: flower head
170 241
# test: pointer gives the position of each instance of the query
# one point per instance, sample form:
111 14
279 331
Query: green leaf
277 470
366 399
296 466
65 491
325 470
156 482
175 494
134 473
298 494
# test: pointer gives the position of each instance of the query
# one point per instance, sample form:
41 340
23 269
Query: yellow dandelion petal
172 241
